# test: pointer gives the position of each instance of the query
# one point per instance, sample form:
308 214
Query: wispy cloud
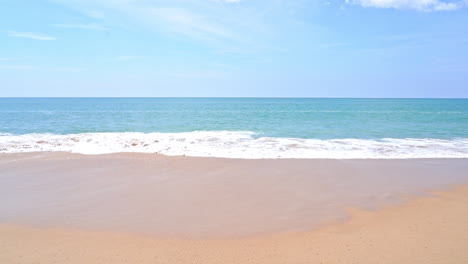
419 5
205 19
253 30
218 22
187 22
82 26
30 35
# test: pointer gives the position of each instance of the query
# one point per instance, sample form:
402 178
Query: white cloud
82 26
30 35
420 5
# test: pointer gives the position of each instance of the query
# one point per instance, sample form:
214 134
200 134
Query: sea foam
233 144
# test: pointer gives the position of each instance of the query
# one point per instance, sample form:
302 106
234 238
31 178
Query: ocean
254 128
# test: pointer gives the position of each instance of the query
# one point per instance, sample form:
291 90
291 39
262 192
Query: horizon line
221 97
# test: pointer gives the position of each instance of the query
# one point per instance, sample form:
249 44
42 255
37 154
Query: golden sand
164 196
424 230
144 208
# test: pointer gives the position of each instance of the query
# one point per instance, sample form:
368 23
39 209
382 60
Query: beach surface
148 208
430 230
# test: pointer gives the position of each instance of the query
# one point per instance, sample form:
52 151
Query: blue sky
275 48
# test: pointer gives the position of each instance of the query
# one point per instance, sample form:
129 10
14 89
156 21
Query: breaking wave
233 144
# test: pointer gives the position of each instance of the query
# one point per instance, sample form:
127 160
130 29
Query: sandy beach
147 208
424 230
234 132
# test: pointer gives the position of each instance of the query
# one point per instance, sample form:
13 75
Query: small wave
234 144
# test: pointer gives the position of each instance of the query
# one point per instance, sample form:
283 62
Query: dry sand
144 208
425 230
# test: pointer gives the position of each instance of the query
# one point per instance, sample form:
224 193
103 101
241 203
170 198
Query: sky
234 48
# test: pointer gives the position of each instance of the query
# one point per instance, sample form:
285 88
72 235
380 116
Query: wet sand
429 230
203 197
147 208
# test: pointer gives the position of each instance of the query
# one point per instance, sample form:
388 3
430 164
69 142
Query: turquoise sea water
231 123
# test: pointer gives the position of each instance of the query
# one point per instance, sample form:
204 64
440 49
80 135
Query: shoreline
430 229
160 155
237 144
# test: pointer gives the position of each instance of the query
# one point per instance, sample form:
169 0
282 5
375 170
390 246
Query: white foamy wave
228 144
